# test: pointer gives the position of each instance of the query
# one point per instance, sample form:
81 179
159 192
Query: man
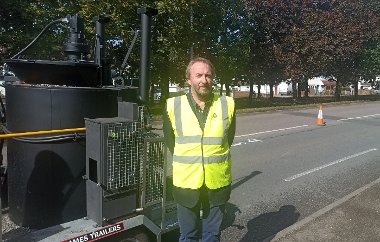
199 128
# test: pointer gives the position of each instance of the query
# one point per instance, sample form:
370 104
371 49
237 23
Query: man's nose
204 79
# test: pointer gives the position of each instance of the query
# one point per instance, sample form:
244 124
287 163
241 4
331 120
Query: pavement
355 217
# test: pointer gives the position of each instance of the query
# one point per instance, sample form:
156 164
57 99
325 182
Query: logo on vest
214 115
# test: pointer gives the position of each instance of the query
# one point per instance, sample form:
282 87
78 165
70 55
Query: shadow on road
232 209
265 226
229 217
244 179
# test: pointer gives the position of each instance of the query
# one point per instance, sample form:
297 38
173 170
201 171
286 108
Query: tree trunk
228 89
221 89
270 90
164 86
356 90
338 89
299 89
306 88
294 89
250 90
259 90
151 92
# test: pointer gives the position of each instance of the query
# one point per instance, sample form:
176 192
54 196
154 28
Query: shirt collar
194 104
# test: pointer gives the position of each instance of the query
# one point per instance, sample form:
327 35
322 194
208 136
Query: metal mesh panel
123 149
153 170
123 141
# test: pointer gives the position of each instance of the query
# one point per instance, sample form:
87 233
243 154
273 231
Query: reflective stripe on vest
198 159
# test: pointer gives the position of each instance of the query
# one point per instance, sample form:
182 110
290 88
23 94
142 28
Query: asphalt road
285 167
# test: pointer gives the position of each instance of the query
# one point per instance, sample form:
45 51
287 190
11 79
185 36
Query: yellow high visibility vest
201 157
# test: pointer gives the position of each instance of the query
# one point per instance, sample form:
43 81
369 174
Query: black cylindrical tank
45 179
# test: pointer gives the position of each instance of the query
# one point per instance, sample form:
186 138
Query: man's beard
204 95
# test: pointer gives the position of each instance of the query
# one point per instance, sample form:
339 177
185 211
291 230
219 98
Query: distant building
284 88
329 86
362 85
316 85
320 85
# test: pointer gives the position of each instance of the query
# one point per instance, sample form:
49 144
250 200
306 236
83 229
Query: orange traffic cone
320 120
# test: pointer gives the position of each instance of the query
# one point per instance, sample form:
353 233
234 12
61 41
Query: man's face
200 79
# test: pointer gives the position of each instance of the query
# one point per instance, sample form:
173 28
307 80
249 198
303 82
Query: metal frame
160 211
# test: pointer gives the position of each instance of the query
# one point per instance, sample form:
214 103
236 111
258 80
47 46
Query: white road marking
238 144
327 165
366 116
271 131
244 143
254 140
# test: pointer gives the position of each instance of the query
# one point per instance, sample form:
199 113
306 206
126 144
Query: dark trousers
193 228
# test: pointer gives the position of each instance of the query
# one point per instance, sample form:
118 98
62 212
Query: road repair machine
83 164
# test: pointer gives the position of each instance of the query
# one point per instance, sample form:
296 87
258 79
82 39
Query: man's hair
199 59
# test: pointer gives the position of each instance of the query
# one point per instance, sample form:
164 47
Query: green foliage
260 41
14 27
26 19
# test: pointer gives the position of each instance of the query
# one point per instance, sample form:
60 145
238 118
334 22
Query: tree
16 27
315 37
370 60
346 26
229 47
119 31
265 40
269 21
24 20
